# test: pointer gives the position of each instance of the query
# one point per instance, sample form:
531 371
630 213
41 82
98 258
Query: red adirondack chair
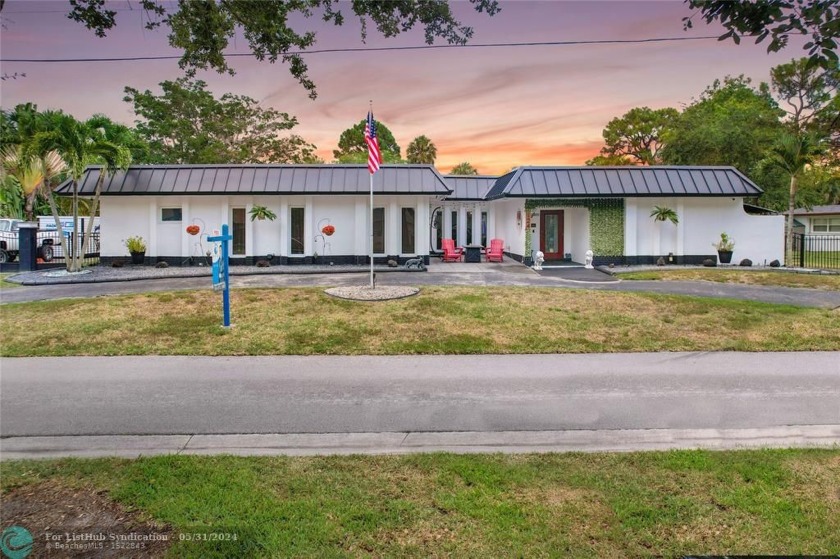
496 251
451 253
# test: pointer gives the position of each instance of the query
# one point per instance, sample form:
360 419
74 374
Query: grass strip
780 502
441 320
779 279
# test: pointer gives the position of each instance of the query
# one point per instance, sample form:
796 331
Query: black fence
816 251
51 252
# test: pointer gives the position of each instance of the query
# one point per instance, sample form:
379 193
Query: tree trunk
58 227
789 232
93 207
74 262
29 205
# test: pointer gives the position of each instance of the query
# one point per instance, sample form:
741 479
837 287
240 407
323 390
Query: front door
551 234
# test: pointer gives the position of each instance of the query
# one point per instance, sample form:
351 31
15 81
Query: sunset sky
495 107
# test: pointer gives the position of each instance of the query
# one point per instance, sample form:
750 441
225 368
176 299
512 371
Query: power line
375 49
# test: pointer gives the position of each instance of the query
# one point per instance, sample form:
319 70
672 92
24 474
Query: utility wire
375 49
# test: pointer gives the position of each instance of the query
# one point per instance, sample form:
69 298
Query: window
484 229
469 238
408 231
438 225
238 230
825 225
170 214
379 230
297 230
455 226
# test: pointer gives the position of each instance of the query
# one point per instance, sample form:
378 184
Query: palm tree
81 144
793 154
31 173
463 169
421 150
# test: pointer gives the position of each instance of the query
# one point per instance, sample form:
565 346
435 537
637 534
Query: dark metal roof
263 179
571 182
469 187
819 210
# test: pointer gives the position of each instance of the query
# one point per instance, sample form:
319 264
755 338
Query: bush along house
304 214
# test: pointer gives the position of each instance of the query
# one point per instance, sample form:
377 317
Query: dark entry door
551 234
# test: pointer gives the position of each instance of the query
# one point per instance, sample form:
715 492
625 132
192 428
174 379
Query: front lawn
780 502
748 277
440 320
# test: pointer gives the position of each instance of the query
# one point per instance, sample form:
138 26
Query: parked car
49 245
10 240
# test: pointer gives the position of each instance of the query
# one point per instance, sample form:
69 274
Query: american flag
374 155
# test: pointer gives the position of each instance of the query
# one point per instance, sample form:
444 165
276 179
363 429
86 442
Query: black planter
725 256
138 257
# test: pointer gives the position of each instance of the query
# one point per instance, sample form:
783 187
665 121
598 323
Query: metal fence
816 251
51 251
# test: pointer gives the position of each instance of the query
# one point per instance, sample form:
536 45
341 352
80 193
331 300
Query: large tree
187 124
808 94
732 123
777 19
353 149
202 29
637 136
80 144
421 150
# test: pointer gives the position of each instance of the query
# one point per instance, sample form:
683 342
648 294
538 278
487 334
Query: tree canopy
353 149
777 19
463 169
421 150
637 136
202 30
187 124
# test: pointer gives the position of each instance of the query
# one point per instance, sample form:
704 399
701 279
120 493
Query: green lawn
553 505
743 276
440 320
4 284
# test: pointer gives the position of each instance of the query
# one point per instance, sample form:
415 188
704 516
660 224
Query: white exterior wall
127 216
506 227
757 237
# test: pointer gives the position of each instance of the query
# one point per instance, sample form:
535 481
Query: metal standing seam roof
622 182
469 187
262 179
819 210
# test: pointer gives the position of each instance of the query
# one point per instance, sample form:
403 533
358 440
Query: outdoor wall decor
193 229
606 222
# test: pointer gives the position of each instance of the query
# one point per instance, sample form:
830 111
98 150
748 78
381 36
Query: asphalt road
224 395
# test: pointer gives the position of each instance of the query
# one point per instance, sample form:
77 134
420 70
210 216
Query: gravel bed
618 270
366 293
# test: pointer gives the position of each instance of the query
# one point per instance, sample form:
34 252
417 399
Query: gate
816 251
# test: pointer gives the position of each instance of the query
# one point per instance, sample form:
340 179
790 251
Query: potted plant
724 248
262 213
664 214
137 248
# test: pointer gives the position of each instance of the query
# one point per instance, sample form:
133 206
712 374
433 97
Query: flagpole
372 283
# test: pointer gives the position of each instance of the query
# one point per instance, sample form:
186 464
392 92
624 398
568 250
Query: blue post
221 276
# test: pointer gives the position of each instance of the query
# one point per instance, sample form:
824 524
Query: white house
562 211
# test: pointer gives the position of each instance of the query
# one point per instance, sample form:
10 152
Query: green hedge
606 222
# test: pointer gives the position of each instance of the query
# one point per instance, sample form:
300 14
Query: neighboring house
819 220
562 211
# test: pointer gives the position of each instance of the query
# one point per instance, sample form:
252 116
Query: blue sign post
221 277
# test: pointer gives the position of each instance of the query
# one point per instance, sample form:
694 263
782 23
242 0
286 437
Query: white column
446 213
476 230
491 222
308 225
392 239
462 227
249 230
285 226
151 245
421 227
630 228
